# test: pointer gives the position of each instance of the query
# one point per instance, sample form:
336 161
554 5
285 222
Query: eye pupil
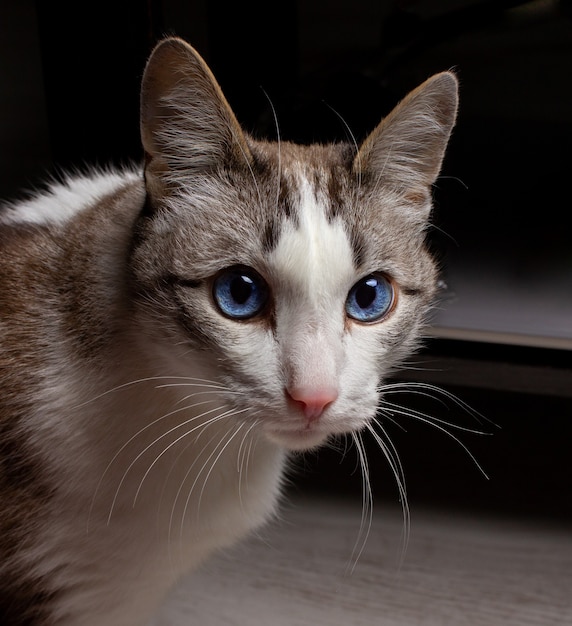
241 289
370 299
365 293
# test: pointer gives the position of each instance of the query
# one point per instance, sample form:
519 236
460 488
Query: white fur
117 548
64 200
314 255
313 259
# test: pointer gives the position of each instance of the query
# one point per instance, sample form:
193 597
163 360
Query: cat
171 334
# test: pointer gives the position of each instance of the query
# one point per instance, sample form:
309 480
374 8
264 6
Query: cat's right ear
407 148
186 122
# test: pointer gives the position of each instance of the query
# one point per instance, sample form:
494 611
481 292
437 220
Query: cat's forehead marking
313 254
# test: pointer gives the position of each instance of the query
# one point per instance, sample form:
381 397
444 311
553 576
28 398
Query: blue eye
370 299
240 293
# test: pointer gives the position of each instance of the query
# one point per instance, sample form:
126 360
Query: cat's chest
148 502
176 456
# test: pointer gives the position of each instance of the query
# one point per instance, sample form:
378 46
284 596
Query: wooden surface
458 570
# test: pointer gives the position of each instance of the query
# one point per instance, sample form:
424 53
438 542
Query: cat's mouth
298 434
298 439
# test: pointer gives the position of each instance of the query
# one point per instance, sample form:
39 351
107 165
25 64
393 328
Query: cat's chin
297 440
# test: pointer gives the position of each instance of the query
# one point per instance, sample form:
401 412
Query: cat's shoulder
60 201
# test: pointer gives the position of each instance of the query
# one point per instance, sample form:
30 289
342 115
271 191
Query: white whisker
358 160
437 424
215 392
239 427
182 483
367 503
354 143
139 381
391 454
157 439
433 392
198 475
390 407
241 450
176 441
205 385
248 164
278 146
172 469
133 437
455 178
243 459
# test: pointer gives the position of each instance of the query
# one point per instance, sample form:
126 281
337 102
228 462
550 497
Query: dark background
69 93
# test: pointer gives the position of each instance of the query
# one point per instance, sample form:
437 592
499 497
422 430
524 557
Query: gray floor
457 570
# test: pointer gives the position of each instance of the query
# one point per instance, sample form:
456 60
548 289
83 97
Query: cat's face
298 275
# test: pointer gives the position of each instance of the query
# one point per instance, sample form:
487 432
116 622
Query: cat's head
297 275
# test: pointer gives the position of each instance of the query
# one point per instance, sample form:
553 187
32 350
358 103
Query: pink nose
312 401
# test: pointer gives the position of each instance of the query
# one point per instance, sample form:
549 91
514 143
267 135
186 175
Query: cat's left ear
406 150
186 122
